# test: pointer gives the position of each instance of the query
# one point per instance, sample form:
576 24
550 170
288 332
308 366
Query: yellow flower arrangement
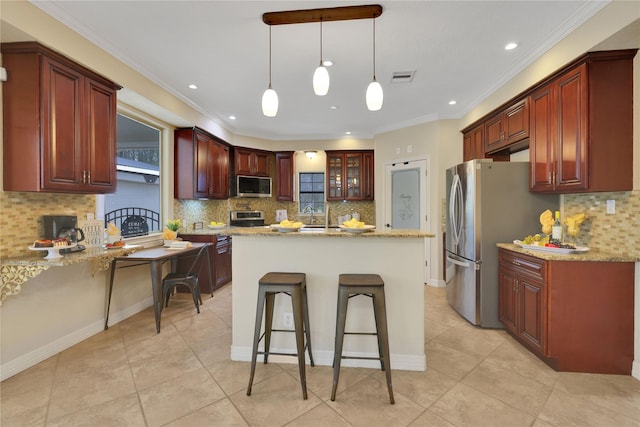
171 229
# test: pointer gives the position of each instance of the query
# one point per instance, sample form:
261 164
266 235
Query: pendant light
270 97
321 75
374 95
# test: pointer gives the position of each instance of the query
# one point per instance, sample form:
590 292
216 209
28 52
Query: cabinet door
571 165
202 147
284 176
532 324
261 164
242 162
223 264
334 176
205 280
368 178
101 138
473 143
493 133
218 160
63 157
507 298
353 172
542 139
516 122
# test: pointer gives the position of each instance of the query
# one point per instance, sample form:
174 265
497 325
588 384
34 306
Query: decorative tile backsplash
617 233
192 211
21 216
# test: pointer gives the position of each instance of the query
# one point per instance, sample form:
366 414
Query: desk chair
188 279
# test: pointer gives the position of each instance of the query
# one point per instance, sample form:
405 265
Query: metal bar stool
294 285
370 285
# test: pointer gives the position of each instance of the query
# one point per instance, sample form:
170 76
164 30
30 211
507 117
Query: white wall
441 143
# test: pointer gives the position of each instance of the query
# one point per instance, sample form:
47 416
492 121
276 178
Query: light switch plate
611 206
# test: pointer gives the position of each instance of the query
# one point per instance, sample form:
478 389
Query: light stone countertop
321 233
15 271
591 255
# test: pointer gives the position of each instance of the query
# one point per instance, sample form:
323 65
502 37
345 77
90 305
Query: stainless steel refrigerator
487 202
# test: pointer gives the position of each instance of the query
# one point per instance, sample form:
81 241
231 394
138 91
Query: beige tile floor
130 376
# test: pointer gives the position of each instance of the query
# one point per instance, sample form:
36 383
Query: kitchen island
397 256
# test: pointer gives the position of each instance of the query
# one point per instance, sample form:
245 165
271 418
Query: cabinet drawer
524 264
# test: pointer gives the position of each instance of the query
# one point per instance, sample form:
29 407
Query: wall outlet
287 320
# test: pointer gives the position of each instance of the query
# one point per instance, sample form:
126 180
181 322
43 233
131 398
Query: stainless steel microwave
253 186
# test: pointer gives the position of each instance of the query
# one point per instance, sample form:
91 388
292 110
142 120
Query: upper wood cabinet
582 126
251 162
507 127
284 175
201 165
473 143
350 175
59 123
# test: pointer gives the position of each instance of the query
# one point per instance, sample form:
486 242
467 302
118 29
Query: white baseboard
402 362
26 361
635 369
437 283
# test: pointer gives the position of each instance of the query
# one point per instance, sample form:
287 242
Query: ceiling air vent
402 76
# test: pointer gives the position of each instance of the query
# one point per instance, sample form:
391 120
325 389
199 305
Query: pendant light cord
374 48
269 56
320 41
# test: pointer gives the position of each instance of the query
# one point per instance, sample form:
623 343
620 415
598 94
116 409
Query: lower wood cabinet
219 259
576 316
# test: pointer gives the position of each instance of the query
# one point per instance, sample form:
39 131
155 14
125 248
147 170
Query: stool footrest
360 333
362 357
278 354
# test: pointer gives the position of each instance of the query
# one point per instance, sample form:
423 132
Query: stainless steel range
246 218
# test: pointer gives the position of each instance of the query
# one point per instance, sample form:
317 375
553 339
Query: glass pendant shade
374 96
270 102
321 81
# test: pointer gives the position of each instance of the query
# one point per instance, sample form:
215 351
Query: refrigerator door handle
463 263
455 200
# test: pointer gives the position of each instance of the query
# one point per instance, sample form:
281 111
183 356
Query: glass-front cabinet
350 175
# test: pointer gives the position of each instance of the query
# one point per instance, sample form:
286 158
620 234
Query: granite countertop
591 255
89 254
205 231
271 232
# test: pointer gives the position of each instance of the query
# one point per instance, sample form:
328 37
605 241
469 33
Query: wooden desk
155 257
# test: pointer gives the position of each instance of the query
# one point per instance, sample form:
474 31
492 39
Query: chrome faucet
309 209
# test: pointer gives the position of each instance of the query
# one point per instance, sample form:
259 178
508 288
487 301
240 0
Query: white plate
216 227
284 229
358 230
577 250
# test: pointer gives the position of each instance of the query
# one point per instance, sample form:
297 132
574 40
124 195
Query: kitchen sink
317 228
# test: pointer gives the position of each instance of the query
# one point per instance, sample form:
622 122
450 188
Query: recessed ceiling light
232 117
192 86
348 132
452 102
327 63
333 107
511 46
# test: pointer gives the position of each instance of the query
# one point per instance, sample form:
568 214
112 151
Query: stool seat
286 279
360 280
294 285
370 285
